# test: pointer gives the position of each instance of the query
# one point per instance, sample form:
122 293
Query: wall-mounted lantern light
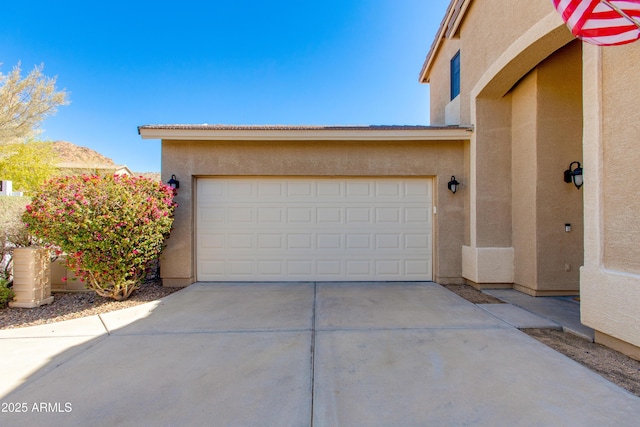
453 185
574 175
173 182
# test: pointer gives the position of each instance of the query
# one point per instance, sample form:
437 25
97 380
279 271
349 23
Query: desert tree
25 102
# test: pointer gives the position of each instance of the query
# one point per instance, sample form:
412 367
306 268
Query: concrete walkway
564 312
326 354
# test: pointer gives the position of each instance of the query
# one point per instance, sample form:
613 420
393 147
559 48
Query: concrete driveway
325 354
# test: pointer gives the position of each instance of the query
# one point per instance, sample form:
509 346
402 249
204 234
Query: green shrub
110 227
6 293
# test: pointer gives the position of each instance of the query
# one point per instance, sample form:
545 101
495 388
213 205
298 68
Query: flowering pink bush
109 227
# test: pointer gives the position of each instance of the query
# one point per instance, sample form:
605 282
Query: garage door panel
417 241
313 229
388 241
212 241
358 189
358 241
270 214
242 267
270 241
330 242
358 267
418 188
300 214
241 241
300 269
391 215
388 267
270 267
239 189
331 269
329 215
300 241
301 189
211 215
387 189
213 268
269 188
417 267
329 189
360 214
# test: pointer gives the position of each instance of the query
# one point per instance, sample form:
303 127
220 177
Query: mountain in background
72 156
71 153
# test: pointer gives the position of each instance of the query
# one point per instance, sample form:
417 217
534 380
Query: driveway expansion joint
313 351
104 324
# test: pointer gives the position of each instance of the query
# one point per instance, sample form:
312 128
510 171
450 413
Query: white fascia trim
457 134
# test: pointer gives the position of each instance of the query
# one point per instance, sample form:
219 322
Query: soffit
179 132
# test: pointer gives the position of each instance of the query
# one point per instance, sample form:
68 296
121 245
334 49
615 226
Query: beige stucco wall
487 31
438 159
492 176
560 254
610 279
547 137
621 139
467 194
524 175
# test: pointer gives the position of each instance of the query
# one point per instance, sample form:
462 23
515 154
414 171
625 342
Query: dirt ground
473 295
612 365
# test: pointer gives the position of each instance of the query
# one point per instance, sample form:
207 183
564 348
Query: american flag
602 22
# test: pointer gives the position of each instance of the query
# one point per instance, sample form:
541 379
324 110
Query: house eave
304 133
448 29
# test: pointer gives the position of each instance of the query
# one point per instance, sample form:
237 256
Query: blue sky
129 63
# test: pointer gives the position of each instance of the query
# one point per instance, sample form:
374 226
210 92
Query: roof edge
449 25
306 133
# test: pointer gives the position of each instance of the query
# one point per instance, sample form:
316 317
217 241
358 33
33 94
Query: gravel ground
473 295
612 365
67 306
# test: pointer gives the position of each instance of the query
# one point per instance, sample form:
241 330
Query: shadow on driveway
300 354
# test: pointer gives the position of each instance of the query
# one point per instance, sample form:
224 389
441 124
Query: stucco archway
533 47
528 123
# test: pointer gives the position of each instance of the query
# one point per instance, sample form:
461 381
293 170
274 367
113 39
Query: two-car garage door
314 229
